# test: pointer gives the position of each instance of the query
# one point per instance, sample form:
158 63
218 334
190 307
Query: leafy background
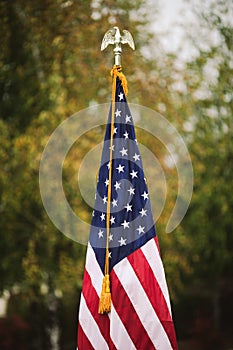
50 68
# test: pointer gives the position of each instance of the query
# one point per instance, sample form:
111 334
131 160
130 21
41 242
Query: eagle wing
108 39
127 39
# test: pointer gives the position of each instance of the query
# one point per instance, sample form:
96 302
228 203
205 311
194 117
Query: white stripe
142 305
150 251
118 333
90 327
94 270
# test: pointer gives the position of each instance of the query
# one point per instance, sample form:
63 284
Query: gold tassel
105 298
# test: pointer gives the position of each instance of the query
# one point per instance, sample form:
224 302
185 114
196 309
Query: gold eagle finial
114 37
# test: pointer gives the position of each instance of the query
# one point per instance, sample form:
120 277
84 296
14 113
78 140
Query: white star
121 96
110 237
105 199
115 131
112 220
126 135
145 195
128 118
140 229
108 165
122 241
128 207
114 203
100 233
143 212
131 190
118 113
120 168
102 217
112 148
136 157
93 213
125 224
124 152
133 174
106 182
117 186
110 254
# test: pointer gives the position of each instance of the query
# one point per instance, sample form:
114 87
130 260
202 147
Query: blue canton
131 220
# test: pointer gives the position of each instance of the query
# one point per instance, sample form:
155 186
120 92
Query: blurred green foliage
50 68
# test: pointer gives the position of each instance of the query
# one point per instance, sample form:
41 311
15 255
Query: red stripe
83 342
92 301
128 315
157 244
151 287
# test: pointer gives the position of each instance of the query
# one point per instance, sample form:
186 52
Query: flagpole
113 37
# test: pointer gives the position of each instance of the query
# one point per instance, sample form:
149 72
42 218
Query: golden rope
105 298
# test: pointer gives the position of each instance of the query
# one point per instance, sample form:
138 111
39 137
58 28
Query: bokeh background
51 67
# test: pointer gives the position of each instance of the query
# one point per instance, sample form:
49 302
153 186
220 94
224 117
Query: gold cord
105 298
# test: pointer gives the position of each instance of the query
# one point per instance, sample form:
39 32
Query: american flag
140 316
